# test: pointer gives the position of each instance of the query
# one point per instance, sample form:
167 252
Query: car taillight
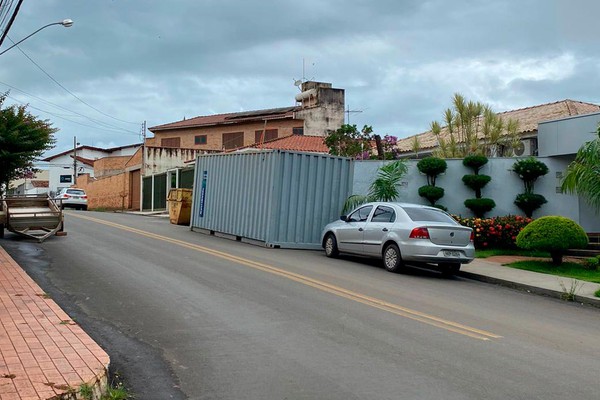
66 196
472 239
419 233
84 197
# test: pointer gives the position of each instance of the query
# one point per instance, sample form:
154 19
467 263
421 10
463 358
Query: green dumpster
180 206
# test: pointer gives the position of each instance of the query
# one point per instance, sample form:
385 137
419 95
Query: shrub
431 193
495 233
480 206
554 234
591 263
475 162
432 167
529 202
476 182
529 169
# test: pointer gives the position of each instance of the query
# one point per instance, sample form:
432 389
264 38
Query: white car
71 197
399 233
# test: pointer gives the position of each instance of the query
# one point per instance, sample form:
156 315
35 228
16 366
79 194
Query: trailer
33 216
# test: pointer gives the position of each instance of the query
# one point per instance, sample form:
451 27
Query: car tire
392 259
84 208
331 248
449 269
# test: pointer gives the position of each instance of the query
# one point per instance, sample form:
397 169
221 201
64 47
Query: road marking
320 285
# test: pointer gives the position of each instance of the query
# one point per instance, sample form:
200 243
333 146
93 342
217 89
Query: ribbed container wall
281 198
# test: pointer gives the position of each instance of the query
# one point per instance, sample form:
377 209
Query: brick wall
110 165
214 134
110 192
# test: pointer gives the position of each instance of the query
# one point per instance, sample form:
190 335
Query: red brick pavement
43 353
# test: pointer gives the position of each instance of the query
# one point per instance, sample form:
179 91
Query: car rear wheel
449 269
331 249
392 259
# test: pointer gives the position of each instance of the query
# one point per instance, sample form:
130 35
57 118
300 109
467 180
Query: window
384 214
428 215
360 215
269 135
170 142
233 140
200 139
66 179
298 131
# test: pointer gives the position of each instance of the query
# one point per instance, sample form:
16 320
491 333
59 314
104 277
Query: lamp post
67 23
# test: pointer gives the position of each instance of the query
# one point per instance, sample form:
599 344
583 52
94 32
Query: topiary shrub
591 263
479 206
529 170
432 167
553 234
431 193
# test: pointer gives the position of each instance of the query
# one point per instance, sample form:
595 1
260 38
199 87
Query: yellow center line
320 285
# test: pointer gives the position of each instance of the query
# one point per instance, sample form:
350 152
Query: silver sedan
399 233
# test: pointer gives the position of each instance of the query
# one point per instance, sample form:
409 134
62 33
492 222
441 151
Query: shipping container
280 198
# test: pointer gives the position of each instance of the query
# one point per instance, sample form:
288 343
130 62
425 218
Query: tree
432 167
383 188
348 141
473 128
476 181
23 138
583 174
529 170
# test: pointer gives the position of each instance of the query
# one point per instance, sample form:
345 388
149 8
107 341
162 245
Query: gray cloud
399 61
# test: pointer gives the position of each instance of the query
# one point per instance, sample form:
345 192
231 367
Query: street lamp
67 23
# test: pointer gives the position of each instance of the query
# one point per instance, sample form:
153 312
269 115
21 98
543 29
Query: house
298 143
319 110
35 183
527 119
61 165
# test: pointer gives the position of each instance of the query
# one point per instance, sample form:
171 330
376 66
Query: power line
74 122
10 22
68 91
104 124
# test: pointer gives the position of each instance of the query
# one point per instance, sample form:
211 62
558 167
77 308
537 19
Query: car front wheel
392 259
331 249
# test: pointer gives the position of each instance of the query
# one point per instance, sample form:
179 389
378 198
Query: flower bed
497 232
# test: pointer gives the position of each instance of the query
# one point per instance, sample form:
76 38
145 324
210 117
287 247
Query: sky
124 62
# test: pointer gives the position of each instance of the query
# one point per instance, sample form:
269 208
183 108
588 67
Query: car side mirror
344 218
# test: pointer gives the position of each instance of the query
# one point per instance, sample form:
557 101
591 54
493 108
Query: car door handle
385 229
360 229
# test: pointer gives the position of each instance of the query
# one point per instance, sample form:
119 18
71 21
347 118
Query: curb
595 302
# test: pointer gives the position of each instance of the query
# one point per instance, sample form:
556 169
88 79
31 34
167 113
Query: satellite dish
298 82
519 149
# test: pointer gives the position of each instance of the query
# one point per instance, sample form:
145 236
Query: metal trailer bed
33 216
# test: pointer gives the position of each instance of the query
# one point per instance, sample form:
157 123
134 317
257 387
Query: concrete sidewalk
491 270
43 353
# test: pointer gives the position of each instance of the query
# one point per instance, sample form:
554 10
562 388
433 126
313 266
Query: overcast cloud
400 61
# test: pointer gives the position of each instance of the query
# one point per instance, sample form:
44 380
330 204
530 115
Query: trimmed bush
591 263
529 202
497 232
529 169
432 167
480 206
475 162
431 193
554 234
476 182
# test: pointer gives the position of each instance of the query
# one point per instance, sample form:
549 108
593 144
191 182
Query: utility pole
75 160
143 148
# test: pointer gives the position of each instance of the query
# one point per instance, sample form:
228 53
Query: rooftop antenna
348 112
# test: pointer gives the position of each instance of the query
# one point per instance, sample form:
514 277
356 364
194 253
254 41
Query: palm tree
583 174
383 188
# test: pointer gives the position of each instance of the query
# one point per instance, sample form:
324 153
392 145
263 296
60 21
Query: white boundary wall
503 188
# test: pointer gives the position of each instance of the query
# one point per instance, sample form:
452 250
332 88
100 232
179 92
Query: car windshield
76 192
427 214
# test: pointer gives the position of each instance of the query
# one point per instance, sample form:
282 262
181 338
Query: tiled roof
311 144
528 119
86 161
230 118
39 184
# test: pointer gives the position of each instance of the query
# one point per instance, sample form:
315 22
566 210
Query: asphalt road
185 315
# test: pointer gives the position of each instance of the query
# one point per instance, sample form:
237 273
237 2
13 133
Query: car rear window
426 214
76 192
